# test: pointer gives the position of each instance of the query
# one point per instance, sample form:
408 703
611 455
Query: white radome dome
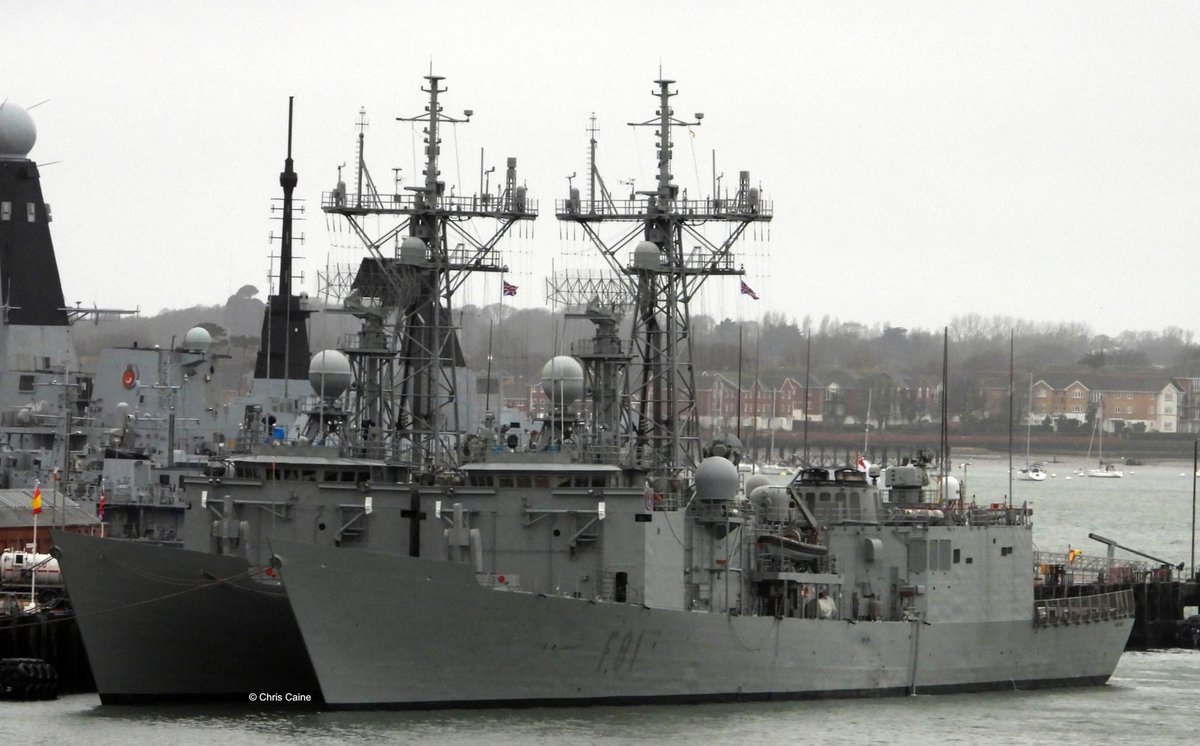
716 479
17 131
412 250
562 380
197 339
647 255
329 373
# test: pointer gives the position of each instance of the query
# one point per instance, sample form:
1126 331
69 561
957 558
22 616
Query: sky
925 160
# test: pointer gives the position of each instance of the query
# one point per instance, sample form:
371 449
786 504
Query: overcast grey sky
925 159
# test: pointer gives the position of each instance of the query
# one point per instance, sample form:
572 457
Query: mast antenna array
405 357
663 277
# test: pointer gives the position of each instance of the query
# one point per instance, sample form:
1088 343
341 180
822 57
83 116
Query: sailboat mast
1011 414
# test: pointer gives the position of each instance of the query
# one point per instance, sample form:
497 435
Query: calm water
1153 698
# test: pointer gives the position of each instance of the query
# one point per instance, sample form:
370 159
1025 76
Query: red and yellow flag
37 499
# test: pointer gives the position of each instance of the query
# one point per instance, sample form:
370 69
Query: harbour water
1152 698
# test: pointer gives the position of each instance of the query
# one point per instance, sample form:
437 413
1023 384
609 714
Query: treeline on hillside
520 341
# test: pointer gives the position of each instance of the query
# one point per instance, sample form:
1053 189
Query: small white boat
1032 473
1108 471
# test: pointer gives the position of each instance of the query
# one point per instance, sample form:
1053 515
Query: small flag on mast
746 290
37 498
100 507
509 288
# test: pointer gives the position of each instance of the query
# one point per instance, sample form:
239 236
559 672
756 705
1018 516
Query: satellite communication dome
647 255
562 380
754 481
412 250
17 133
329 373
197 339
716 479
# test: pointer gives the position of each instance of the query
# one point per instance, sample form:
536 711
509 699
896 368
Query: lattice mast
405 357
603 301
664 277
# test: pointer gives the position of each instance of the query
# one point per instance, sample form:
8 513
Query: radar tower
404 359
663 278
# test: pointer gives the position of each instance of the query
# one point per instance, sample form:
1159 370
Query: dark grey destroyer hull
162 624
413 633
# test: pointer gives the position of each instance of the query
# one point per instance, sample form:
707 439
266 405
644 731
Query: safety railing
1099 607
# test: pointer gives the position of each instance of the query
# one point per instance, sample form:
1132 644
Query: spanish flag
37 499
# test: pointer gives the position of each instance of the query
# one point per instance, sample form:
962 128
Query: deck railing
1100 607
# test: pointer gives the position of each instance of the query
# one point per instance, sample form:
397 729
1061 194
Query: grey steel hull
413 633
164 624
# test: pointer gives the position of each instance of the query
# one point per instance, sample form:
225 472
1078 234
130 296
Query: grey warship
169 624
616 563
616 560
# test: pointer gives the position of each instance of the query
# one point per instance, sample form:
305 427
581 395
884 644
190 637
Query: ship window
505 480
524 482
5 211
30 212
1005 551
855 505
916 555
25 384
542 481
824 497
957 555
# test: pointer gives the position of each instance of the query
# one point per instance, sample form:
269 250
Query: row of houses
1149 402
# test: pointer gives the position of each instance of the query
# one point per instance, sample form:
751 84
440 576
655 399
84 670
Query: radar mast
405 357
663 278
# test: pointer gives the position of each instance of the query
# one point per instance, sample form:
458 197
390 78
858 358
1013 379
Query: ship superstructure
41 381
